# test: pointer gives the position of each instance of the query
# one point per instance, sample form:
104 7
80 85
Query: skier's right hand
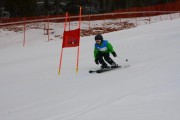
96 61
114 54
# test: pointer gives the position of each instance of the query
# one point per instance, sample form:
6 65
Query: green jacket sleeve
110 47
95 52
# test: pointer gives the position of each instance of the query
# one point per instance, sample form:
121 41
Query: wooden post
24 32
48 29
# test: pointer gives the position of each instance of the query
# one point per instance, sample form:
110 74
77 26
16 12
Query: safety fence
51 29
171 6
91 24
53 26
123 13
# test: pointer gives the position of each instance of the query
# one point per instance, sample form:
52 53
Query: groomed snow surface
30 88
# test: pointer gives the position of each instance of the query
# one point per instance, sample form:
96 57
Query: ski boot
114 65
104 66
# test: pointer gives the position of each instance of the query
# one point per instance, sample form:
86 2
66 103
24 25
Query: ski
108 69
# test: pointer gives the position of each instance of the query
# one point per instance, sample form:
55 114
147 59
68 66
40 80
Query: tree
21 7
107 5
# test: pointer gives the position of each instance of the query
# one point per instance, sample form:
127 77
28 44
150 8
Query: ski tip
91 71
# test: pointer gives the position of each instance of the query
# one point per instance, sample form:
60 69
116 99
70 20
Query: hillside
30 88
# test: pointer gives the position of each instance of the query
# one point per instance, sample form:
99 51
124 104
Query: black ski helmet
98 37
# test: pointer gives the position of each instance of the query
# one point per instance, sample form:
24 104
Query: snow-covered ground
30 88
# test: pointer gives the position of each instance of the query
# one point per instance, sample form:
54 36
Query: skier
102 52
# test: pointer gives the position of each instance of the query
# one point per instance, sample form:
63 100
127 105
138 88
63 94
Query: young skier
102 52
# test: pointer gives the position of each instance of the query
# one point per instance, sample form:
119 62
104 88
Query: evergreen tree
46 7
21 7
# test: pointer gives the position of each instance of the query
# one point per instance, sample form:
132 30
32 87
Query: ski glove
114 54
96 61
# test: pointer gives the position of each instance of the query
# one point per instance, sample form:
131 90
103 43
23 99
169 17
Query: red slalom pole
77 64
60 63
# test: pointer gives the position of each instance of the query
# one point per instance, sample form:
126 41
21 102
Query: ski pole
125 60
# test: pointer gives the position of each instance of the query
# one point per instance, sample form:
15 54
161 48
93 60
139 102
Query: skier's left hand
96 61
114 54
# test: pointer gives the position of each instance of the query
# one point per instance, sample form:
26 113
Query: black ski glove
114 54
96 61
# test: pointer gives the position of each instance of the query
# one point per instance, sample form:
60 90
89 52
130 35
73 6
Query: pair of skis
108 69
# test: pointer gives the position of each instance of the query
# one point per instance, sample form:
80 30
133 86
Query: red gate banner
71 38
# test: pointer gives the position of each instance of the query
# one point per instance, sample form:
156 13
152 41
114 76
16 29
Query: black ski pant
104 56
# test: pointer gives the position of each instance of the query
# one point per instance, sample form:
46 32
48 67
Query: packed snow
30 88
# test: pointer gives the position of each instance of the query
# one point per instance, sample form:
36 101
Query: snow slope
30 88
